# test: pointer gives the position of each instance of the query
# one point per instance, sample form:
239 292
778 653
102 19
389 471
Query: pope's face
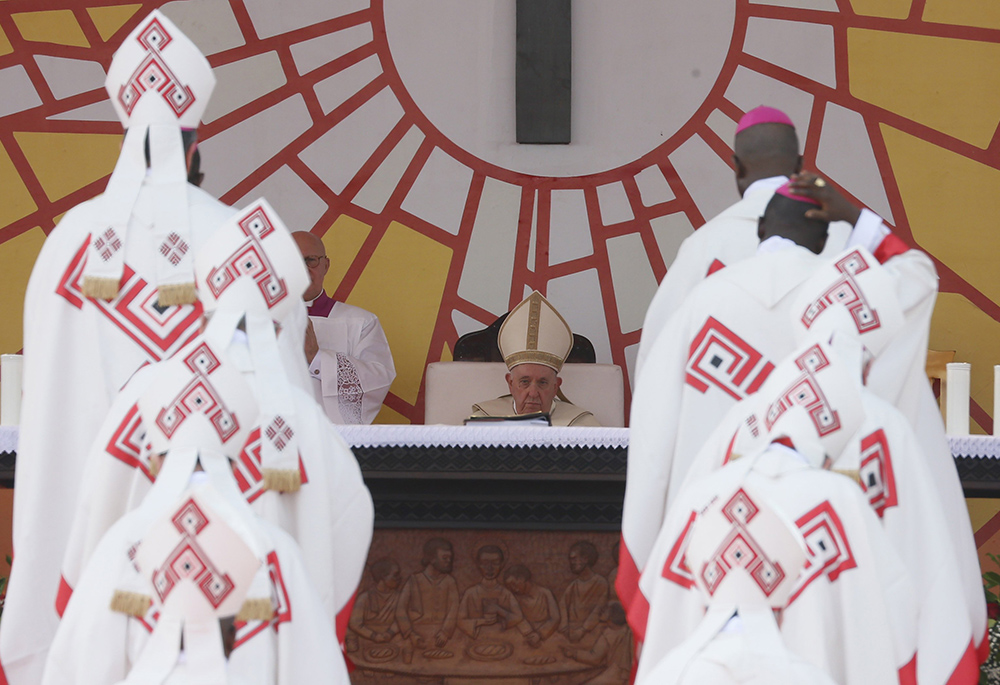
533 387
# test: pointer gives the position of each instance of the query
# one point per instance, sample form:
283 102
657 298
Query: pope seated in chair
535 341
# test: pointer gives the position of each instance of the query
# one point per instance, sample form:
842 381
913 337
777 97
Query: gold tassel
176 293
100 288
282 480
130 603
255 610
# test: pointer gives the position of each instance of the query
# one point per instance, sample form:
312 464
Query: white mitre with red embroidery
201 562
853 293
251 270
535 333
813 398
158 82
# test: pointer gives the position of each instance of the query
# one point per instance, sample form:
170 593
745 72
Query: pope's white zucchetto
535 333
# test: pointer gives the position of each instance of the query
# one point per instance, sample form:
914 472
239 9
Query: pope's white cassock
118 625
110 291
852 613
719 348
329 514
724 240
885 459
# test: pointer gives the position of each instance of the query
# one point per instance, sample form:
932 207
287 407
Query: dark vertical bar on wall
544 58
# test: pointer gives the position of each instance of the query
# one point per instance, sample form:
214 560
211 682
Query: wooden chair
937 373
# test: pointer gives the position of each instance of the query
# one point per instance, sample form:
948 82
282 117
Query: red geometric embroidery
127 441
107 244
739 549
675 568
199 396
827 548
250 259
153 74
805 392
283 607
876 473
720 357
158 331
279 433
349 391
716 265
174 248
247 467
188 560
846 292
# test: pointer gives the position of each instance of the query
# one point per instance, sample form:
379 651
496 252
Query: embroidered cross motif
199 395
279 433
153 74
188 560
174 248
250 260
246 469
806 392
107 244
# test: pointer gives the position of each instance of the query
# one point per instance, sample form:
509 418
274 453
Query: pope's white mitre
853 293
199 401
744 552
252 264
158 75
535 333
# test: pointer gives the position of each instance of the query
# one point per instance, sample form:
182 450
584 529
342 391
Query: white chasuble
78 352
852 613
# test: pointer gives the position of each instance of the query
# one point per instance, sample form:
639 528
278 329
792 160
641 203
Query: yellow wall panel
107 20
982 13
981 510
403 285
938 82
17 202
17 256
890 9
949 203
66 162
5 46
975 336
343 241
51 26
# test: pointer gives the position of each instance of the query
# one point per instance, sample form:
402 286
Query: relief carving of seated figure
374 613
488 605
538 604
535 341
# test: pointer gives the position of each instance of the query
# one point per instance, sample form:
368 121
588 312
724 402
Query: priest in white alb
112 290
294 469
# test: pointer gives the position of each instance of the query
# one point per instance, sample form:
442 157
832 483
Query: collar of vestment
321 305
771 276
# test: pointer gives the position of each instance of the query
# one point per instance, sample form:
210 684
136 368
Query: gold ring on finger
819 183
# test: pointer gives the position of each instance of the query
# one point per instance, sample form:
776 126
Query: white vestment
353 369
97 646
330 517
724 240
719 348
735 655
78 352
886 459
852 613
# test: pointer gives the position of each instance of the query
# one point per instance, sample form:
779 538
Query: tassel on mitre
130 603
100 288
255 610
282 480
177 293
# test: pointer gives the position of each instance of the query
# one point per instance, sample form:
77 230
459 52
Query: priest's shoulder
349 311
